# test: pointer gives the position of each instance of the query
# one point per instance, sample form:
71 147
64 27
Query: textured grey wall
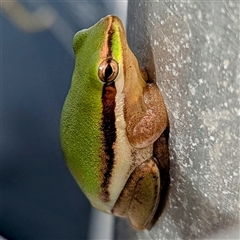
194 47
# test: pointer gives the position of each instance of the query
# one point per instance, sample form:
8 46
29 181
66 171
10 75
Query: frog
114 127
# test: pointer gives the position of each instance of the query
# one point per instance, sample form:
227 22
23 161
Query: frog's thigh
140 196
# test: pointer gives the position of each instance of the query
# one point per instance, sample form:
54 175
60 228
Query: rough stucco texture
191 48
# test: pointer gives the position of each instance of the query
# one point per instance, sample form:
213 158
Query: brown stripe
108 127
109 137
109 42
106 51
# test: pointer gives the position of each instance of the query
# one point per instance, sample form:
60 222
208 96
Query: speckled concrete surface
191 48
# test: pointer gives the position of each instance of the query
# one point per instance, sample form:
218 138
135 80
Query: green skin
108 129
84 102
82 112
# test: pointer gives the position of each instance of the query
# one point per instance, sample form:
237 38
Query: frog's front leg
140 197
149 121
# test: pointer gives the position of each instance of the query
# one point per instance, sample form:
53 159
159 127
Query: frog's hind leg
140 196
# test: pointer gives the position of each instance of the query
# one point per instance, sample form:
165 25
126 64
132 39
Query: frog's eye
108 70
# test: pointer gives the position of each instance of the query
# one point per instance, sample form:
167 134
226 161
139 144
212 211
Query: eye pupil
108 70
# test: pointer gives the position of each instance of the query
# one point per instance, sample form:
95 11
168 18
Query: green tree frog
113 126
